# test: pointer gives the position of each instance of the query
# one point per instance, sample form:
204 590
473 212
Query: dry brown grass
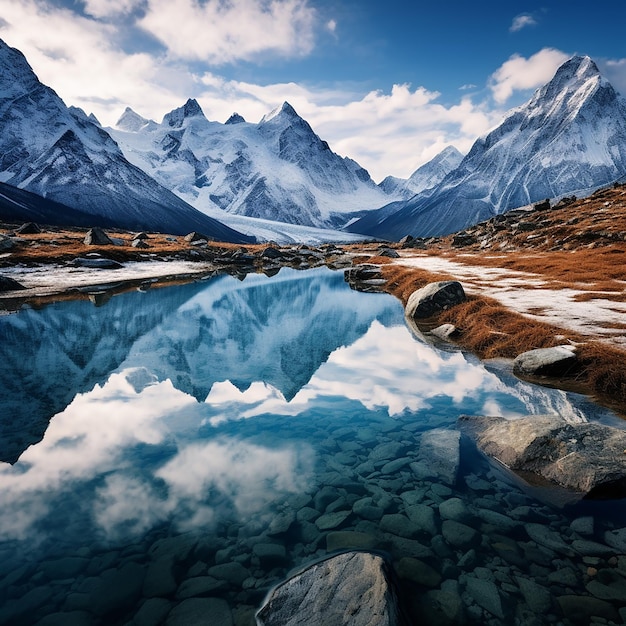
60 245
490 330
598 269
588 296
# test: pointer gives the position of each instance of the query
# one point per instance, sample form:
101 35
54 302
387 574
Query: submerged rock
353 588
434 298
586 458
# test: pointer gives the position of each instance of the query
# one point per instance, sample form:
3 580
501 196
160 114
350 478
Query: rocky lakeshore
422 522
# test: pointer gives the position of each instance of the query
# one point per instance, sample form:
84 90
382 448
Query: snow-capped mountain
425 177
64 155
569 138
278 169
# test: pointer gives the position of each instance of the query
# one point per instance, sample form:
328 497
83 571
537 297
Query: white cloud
79 59
615 71
387 133
110 8
522 21
519 73
331 25
220 32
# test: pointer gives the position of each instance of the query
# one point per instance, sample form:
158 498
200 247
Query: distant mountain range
62 155
278 169
569 138
58 165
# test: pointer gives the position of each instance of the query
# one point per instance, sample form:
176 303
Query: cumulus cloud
80 59
522 21
519 73
387 132
221 32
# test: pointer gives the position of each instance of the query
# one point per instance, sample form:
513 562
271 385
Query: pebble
459 535
329 521
199 610
485 594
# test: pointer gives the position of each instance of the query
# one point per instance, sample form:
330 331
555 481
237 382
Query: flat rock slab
351 589
556 362
99 263
586 458
434 298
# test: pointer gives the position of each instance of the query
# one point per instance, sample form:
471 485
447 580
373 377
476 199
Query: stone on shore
434 298
558 361
9 284
350 588
97 237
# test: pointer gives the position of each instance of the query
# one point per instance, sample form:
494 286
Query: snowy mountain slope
83 345
63 155
569 138
425 177
278 169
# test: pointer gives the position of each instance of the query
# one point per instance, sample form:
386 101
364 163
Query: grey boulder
586 458
557 361
97 237
351 589
434 298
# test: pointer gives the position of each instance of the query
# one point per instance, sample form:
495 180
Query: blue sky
387 83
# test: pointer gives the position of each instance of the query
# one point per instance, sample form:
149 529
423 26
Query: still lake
169 456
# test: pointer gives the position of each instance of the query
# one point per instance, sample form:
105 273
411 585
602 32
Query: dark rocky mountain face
570 138
63 155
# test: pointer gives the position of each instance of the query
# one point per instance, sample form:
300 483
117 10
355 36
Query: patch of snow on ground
527 293
50 279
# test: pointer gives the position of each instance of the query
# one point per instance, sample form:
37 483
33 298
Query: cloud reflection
384 369
128 451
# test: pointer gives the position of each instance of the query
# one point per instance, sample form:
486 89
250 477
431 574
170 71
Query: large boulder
434 298
554 362
351 589
97 237
586 458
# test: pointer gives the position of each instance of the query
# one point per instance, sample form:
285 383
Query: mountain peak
175 118
131 121
285 110
235 118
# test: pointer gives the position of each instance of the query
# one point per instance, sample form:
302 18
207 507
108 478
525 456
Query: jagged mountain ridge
63 155
278 169
569 138
425 177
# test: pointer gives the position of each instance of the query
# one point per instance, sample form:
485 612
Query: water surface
176 452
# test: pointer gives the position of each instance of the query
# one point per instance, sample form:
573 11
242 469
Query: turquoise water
173 454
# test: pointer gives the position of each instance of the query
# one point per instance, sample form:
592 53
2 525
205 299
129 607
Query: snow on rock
425 177
64 155
569 138
278 169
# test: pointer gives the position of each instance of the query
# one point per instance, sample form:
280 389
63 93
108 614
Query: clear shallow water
179 451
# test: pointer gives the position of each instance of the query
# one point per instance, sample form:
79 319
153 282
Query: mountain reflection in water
204 406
